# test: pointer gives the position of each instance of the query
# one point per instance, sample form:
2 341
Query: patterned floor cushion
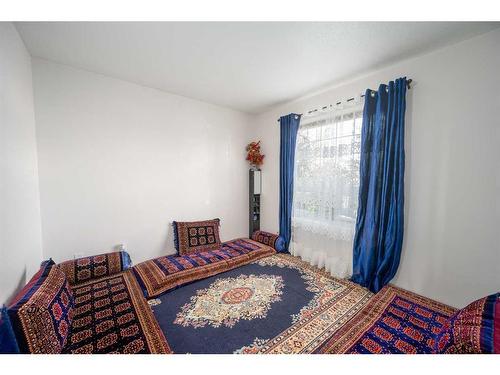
92 267
112 316
394 321
41 314
473 330
196 236
270 239
159 275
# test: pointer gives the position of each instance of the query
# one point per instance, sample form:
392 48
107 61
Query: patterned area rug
278 304
395 321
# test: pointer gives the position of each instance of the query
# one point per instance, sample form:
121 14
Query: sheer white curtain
326 184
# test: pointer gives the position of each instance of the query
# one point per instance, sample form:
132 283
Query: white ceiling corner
247 66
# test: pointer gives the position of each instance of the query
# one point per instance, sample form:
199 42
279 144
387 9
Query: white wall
20 236
118 162
451 250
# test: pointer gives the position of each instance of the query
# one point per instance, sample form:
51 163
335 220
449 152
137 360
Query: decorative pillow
196 236
42 312
270 239
8 343
474 329
93 267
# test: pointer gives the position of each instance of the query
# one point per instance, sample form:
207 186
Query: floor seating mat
394 321
156 276
112 316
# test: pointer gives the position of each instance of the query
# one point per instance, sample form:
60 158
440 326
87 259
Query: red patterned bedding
393 321
156 276
112 316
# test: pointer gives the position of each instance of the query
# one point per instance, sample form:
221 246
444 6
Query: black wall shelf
254 190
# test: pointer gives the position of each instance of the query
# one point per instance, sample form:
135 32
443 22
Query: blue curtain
379 224
289 125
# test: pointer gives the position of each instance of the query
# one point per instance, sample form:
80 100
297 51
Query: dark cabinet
254 190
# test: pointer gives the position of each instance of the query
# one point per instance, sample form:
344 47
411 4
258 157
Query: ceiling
247 66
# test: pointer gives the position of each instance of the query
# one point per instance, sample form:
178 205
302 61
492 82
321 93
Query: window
326 185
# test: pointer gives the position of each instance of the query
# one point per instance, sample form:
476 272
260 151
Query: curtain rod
408 84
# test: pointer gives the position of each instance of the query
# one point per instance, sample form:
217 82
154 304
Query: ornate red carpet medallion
230 299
